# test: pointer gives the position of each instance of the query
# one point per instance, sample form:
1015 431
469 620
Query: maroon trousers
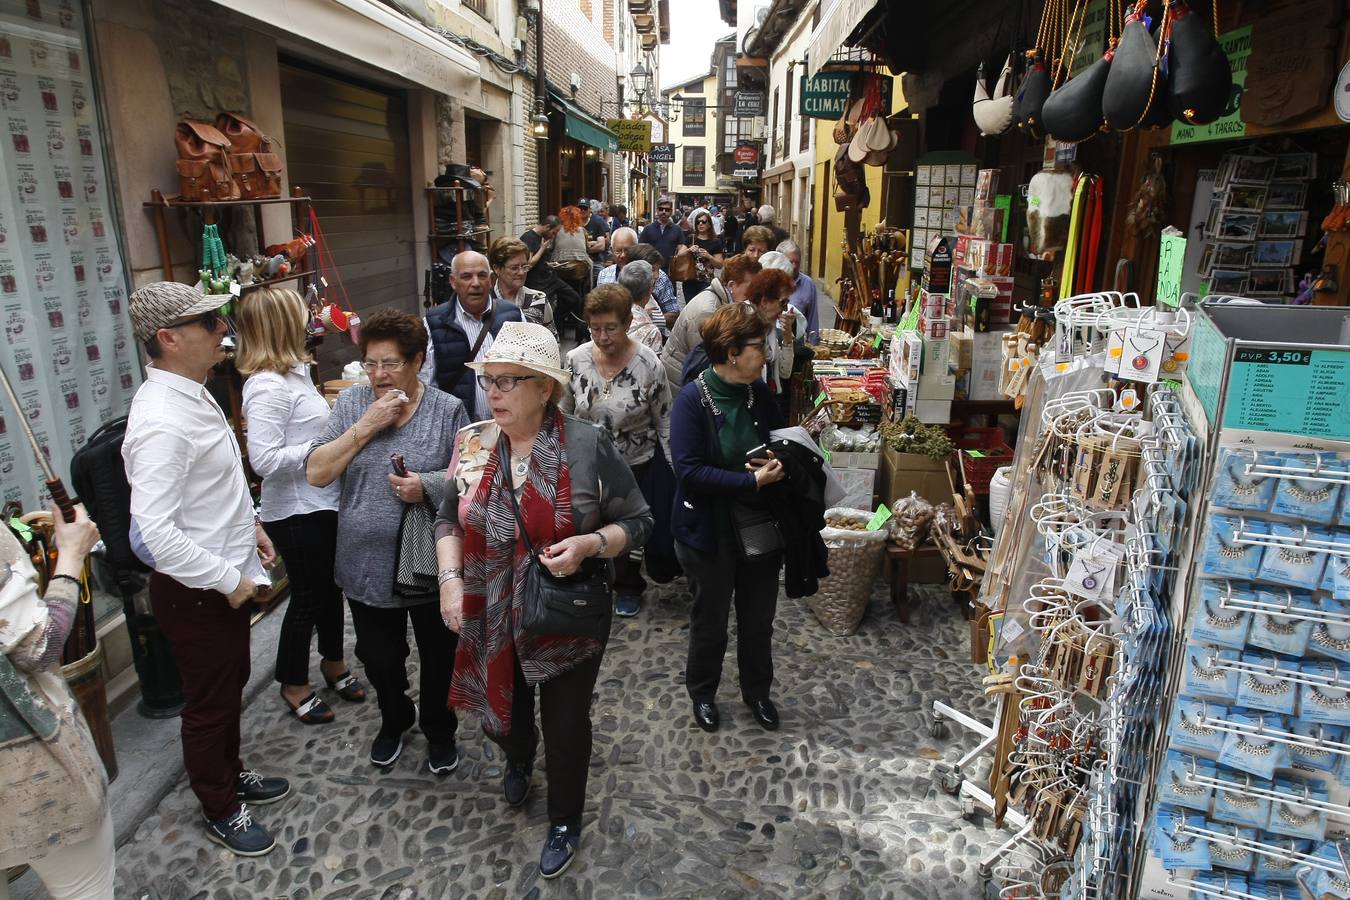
210 645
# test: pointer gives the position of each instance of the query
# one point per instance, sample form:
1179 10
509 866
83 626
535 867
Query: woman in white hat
551 463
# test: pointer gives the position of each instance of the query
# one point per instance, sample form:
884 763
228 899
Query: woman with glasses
285 413
510 261
564 479
719 423
620 385
769 293
708 252
388 443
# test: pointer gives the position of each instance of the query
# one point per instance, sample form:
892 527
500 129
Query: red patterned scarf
495 561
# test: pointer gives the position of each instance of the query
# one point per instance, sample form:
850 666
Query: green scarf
737 435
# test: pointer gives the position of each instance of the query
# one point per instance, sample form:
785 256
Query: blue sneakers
240 834
559 850
628 605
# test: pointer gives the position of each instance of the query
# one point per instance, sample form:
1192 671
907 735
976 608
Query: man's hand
241 594
266 552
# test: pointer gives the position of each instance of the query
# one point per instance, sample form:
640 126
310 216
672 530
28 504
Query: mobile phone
760 452
400 468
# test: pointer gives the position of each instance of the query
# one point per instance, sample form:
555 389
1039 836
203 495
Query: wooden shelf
159 200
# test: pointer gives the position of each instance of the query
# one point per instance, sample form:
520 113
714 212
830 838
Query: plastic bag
910 520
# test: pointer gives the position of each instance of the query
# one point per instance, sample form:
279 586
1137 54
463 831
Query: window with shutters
695 165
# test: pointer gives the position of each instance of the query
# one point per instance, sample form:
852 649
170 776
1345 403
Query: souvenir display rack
465 238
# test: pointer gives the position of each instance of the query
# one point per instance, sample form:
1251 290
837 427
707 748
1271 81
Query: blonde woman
285 413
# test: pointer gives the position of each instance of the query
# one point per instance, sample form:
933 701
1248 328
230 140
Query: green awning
583 127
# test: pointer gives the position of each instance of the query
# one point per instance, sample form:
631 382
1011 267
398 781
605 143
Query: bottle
889 312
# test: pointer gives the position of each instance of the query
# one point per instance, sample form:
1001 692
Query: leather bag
1200 82
993 115
682 266
203 163
579 605
1135 82
254 163
1031 99
757 534
1073 111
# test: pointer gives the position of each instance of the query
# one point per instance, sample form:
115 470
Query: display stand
465 239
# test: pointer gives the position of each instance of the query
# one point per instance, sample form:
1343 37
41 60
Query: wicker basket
855 559
835 340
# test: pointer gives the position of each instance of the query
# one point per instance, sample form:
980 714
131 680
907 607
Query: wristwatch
446 574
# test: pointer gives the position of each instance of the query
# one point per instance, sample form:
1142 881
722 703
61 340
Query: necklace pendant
1140 362
1090 583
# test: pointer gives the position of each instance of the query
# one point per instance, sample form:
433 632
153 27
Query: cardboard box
906 357
937 266
902 473
985 364
1001 261
934 412
847 460
937 355
980 221
859 487
935 329
935 387
986 186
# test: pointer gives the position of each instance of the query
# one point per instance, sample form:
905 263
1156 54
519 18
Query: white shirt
284 413
191 515
471 328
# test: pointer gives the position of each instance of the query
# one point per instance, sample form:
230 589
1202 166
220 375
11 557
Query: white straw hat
527 345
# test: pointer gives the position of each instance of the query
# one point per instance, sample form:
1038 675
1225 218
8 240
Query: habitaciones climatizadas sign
825 95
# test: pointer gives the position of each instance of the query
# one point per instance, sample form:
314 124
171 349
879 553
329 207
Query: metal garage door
347 146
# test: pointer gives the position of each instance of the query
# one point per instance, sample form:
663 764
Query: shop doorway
347 146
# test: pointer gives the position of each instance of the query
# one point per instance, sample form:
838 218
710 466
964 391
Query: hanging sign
748 104
663 153
1171 256
635 135
826 95
745 161
1237 45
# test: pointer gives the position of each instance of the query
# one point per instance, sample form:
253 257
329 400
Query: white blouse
285 413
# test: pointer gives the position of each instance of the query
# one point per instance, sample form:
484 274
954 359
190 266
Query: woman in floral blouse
619 384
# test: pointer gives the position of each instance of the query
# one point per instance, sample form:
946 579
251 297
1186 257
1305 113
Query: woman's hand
452 603
383 412
566 556
408 487
267 554
766 471
75 539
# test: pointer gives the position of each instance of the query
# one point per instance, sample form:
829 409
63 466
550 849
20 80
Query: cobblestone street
841 802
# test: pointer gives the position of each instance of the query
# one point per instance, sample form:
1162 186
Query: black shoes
706 715
559 850
442 759
766 714
254 787
384 752
516 782
240 834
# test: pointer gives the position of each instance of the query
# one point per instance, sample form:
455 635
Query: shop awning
374 34
836 26
582 126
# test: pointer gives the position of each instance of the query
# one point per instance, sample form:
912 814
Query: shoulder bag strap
473 353
504 465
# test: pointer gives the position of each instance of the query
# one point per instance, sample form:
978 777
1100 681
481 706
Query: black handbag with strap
578 605
757 534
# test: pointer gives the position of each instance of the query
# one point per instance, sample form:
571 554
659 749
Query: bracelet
604 543
447 574
71 578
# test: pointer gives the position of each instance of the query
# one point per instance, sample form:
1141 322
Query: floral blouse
633 406
644 330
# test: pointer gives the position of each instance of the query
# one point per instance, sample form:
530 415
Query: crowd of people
475 468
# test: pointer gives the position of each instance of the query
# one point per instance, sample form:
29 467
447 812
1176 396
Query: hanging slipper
1200 82
1135 81
993 115
311 710
1073 111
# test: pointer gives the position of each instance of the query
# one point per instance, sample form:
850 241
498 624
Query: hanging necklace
1275 627
1254 749
520 465
1186 790
1226 852
1201 672
1268 688
1324 699
1090 579
1322 635
1298 820
1296 559
708 400
1229 551
1174 359
1221 622
1307 495
1139 362
1243 488
1195 728
1238 801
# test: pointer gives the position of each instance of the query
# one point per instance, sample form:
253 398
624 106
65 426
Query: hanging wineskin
1073 111
1135 84
1200 78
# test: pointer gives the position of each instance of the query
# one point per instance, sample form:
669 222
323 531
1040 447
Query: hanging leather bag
254 163
1200 81
993 115
1135 83
1031 99
1073 111
203 163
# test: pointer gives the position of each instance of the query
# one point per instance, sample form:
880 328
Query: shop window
695 165
804 135
695 116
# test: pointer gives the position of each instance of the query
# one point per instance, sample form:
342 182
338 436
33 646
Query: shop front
579 156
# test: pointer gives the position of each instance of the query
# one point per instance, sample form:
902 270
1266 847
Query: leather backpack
254 163
203 163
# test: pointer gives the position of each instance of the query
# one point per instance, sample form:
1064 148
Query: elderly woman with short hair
757 240
636 278
619 384
510 262
565 481
395 414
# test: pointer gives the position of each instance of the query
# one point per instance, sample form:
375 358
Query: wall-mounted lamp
590 152
539 122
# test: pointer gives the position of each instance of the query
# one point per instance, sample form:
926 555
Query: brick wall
575 43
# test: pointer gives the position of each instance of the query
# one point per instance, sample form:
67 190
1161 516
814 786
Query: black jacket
798 504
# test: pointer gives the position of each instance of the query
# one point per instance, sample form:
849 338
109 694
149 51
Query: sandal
347 686
312 710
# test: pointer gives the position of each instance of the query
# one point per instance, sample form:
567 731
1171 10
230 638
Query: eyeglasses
756 344
208 320
663 209
604 329
523 267
388 365
504 383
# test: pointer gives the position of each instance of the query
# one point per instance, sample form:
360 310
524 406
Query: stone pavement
841 802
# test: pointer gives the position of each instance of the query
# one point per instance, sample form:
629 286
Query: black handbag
578 605
757 534
416 568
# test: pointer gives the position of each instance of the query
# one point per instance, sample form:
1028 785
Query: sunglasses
208 320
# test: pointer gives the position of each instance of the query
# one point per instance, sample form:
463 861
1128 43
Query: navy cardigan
701 484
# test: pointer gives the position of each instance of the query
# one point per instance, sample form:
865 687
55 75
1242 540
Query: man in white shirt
620 243
192 522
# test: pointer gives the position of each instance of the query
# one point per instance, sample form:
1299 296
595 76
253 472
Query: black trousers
715 580
627 569
308 544
565 712
382 647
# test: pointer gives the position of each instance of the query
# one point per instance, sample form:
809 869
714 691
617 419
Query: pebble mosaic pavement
842 802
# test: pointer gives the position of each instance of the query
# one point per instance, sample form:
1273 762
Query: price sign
879 517
1290 390
1171 256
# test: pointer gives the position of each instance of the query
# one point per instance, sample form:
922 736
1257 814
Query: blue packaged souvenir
1310 755
1277 632
1234 854
1227 884
1224 558
1295 565
1322 702
1329 639
1245 748
1282 868
1308 501
1207 677
1187 728
1328 881
1274 890
1272 689
1213 623
1299 820
1236 805
1235 488
1336 575
1176 784
1179 849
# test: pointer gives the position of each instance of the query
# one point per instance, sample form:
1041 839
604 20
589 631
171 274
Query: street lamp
539 122
639 77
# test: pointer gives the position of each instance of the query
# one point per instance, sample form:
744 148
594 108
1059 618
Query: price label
1273 357
827 455
876 342
879 518
822 398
